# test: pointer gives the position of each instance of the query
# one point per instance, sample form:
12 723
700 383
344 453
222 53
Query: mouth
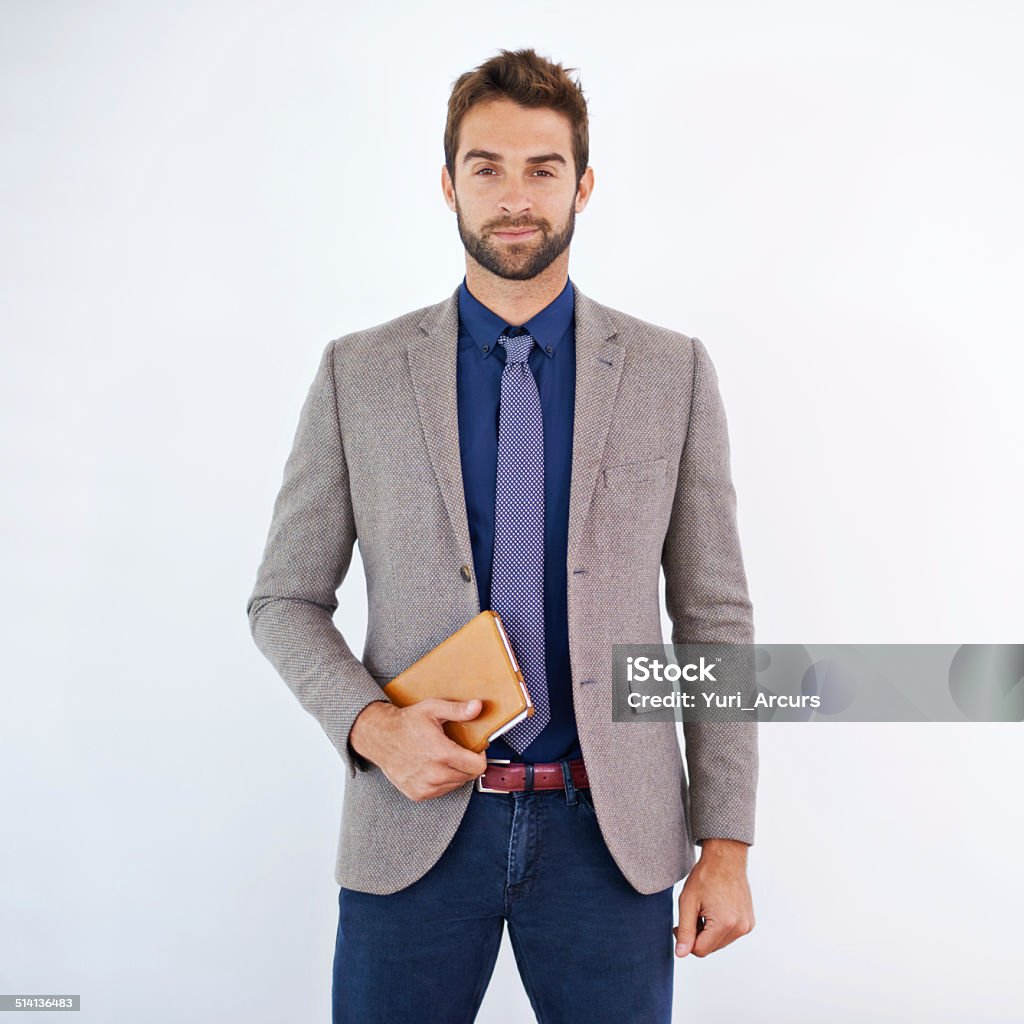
518 235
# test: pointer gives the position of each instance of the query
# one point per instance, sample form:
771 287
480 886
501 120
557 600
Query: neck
516 301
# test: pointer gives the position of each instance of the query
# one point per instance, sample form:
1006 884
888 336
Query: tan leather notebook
475 661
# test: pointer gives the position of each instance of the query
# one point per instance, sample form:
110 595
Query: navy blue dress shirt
480 363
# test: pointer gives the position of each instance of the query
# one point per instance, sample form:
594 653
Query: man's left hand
717 890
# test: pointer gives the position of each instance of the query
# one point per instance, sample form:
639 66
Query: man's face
515 193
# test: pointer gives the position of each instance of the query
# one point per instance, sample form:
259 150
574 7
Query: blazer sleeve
306 558
707 601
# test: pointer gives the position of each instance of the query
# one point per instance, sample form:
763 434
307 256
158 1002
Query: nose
514 201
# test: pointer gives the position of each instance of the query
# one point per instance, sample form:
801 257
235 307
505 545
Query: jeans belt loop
570 789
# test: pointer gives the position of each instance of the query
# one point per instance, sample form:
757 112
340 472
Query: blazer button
465 573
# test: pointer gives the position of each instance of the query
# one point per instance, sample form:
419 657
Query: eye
541 170
482 169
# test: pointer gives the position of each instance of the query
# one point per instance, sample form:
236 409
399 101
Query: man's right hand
412 749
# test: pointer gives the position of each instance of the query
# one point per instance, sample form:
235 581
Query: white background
198 196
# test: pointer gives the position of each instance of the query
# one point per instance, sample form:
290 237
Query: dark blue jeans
589 947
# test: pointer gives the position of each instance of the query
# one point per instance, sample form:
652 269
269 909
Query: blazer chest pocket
626 505
629 475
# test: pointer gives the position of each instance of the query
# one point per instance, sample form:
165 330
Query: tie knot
517 348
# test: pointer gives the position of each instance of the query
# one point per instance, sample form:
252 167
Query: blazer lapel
432 365
432 359
599 360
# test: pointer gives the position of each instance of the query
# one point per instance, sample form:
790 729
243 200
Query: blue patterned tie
517 577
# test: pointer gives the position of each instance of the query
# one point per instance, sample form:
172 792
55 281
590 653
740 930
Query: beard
517 261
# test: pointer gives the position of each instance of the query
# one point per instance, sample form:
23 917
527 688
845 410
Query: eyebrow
483 154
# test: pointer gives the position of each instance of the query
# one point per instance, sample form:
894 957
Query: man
521 447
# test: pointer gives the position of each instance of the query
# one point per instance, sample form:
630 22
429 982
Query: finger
467 767
714 936
707 940
441 787
686 932
700 927
454 710
468 762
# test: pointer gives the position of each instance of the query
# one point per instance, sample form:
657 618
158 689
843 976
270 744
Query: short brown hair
529 80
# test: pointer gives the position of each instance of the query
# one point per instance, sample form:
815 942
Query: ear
448 188
584 190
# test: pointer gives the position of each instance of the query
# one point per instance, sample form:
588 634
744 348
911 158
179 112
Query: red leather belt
512 776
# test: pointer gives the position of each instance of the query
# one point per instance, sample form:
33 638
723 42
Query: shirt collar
547 327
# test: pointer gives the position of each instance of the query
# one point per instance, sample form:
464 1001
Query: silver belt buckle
480 787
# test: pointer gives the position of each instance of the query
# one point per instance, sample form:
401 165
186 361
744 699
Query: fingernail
680 949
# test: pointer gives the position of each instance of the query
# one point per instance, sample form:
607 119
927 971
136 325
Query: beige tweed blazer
376 460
